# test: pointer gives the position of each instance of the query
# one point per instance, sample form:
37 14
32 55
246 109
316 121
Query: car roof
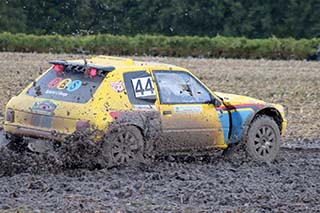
124 64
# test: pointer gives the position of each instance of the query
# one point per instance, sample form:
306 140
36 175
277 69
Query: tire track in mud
78 153
45 182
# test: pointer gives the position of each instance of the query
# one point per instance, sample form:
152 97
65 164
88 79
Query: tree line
236 18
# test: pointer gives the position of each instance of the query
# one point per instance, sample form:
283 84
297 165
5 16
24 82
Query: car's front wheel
124 147
263 141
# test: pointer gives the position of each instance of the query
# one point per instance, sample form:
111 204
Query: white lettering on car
59 93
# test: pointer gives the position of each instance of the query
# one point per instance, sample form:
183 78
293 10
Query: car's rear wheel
263 142
124 147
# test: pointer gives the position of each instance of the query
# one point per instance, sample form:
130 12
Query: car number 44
143 87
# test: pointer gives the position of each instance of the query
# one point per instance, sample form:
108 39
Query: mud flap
39 146
3 140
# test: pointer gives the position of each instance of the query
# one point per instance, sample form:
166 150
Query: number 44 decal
143 87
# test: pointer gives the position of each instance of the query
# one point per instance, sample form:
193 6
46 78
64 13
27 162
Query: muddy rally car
134 109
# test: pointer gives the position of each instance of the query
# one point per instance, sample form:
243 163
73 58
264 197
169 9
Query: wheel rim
124 148
264 141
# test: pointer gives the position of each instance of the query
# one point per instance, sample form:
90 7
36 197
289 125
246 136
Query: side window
140 88
178 87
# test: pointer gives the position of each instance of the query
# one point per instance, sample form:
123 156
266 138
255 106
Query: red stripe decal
240 105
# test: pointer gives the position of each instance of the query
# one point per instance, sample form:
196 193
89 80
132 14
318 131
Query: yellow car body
129 94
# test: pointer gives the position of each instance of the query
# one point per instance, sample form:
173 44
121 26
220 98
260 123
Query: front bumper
284 126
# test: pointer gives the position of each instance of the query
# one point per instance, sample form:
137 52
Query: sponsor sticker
117 86
53 83
65 84
58 93
74 85
47 107
145 107
188 109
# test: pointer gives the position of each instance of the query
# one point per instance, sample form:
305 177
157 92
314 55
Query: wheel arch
137 125
267 111
149 137
147 122
116 126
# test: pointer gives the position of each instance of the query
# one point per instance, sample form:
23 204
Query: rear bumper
32 132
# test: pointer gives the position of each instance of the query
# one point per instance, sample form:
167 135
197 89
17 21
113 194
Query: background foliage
237 18
227 47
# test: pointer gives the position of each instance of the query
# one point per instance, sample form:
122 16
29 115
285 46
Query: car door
189 119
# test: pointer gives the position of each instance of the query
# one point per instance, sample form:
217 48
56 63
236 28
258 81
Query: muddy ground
213 183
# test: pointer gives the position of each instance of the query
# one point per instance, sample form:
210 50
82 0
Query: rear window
71 86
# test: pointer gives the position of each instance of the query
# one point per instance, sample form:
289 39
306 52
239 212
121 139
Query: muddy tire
263 142
124 147
15 143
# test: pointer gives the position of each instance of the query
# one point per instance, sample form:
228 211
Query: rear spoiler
81 67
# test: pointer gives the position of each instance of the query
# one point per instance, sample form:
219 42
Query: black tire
124 147
263 141
16 143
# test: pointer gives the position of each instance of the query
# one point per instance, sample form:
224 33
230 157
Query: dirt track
290 184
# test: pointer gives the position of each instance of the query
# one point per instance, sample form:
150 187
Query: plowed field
291 183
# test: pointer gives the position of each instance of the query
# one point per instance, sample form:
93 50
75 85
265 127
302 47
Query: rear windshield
71 86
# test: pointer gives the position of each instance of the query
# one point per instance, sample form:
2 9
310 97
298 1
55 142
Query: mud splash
75 153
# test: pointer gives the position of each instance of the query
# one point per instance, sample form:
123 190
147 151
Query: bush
157 45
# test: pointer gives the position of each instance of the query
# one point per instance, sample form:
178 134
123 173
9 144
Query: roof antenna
84 60
40 70
86 70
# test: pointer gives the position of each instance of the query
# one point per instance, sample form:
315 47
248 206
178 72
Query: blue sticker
74 85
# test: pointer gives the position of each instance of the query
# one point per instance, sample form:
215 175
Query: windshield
70 86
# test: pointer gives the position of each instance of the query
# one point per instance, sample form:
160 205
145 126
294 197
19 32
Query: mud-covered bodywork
172 108
238 112
147 121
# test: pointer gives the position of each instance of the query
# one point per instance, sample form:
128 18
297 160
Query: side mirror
216 102
227 103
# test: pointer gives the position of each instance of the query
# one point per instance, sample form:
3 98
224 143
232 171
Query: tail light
114 115
82 125
10 115
59 68
93 72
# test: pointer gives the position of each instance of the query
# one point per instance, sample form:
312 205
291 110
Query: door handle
166 112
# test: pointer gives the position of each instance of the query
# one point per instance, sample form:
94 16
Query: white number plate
143 87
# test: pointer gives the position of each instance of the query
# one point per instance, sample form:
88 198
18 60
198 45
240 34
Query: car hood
233 100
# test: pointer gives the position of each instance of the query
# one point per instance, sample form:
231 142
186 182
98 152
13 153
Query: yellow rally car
135 107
